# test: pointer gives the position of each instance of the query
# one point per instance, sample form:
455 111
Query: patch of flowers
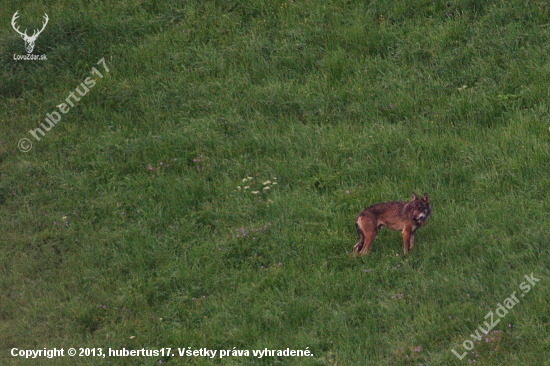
252 232
260 189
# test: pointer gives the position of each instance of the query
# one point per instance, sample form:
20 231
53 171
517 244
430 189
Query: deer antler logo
29 41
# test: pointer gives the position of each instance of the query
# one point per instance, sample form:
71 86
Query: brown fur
404 216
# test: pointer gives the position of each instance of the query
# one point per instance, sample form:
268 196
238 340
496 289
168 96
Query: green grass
123 226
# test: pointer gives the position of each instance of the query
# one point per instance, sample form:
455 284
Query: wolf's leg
407 235
366 228
411 242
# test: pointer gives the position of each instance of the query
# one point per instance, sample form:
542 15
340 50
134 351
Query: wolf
404 216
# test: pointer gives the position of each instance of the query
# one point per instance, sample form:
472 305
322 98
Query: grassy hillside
203 192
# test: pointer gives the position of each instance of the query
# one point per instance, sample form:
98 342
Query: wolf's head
421 208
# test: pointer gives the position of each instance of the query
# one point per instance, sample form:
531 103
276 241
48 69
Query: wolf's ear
414 197
425 198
